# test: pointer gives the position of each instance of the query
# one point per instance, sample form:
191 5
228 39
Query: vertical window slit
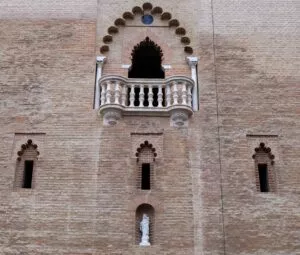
28 169
263 177
145 176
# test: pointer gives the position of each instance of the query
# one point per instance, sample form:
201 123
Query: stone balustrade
148 97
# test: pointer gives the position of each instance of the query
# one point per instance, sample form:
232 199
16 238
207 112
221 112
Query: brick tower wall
205 195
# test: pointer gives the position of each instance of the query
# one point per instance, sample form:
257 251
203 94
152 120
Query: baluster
184 93
189 95
108 93
150 96
175 93
168 95
131 96
141 96
103 93
117 93
124 95
160 94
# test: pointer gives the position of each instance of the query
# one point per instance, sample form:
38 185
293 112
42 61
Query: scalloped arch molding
146 8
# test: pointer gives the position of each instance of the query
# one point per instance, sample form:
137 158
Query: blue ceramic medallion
147 19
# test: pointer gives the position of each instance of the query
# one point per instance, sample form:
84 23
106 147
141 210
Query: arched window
145 166
264 169
26 165
144 211
146 61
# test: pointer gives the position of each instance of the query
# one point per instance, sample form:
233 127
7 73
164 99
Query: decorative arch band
25 146
146 144
146 8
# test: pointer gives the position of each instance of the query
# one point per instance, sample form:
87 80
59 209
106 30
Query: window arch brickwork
26 165
265 176
158 14
146 155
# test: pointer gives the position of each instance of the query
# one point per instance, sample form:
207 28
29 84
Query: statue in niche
144 228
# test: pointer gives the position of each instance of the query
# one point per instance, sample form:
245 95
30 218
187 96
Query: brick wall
84 200
256 85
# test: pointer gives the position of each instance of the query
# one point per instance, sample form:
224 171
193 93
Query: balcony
120 96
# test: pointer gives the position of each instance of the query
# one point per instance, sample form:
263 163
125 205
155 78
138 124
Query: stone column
100 60
193 61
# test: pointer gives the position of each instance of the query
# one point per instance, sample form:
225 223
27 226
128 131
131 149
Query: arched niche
148 210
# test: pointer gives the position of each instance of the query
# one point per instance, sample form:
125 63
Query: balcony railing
149 97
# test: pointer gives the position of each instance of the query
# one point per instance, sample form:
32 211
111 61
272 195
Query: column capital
192 61
100 60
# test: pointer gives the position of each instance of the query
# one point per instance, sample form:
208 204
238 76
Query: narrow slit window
145 176
28 169
263 177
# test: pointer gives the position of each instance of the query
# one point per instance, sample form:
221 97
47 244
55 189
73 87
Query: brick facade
205 198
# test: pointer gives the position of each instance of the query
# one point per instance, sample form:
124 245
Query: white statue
144 228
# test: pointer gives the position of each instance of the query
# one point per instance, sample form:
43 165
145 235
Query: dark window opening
146 176
136 96
28 169
128 96
146 102
263 177
146 61
155 97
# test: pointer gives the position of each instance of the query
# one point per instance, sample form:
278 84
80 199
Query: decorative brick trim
146 151
263 155
261 135
28 152
136 200
156 138
158 11
145 154
26 146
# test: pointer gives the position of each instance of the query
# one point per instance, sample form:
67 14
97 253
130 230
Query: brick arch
262 149
264 163
145 167
147 8
153 200
27 155
138 37
145 146
26 147
141 65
